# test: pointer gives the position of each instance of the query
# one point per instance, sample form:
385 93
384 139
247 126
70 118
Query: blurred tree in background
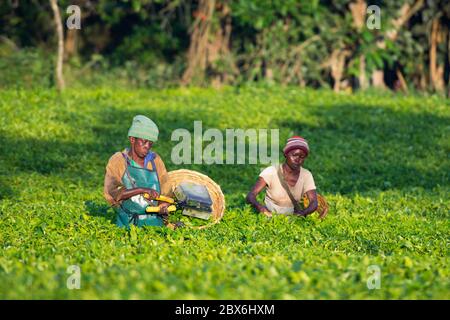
160 43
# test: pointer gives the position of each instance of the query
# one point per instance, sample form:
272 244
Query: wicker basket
218 207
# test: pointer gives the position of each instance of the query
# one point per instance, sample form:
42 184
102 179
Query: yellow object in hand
160 198
156 209
322 205
165 199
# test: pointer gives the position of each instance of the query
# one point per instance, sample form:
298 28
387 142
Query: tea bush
381 160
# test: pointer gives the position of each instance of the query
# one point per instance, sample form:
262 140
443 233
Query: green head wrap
144 128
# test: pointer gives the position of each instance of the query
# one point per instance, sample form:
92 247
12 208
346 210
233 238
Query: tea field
382 161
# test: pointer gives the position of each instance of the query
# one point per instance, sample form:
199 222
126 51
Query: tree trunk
405 13
401 81
197 54
210 41
60 53
436 71
358 10
71 45
448 63
378 79
363 84
337 63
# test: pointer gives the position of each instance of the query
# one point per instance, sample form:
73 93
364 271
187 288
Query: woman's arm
312 197
153 195
127 194
251 197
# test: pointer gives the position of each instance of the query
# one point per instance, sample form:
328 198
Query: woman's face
295 158
141 146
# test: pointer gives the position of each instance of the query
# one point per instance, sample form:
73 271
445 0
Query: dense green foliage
285 41
382 161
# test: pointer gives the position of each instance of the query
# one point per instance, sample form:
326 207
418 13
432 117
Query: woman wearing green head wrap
136 176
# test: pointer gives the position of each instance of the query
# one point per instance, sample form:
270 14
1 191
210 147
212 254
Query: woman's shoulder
116 164
268 174
306 176
117 158
155 156
269 170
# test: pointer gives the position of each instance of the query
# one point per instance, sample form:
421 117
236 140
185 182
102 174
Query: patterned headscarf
296 142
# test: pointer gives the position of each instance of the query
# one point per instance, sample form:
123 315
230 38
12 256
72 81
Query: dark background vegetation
161 43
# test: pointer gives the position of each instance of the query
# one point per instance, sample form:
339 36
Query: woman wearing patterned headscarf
287 183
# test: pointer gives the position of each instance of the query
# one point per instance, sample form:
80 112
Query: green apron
132 211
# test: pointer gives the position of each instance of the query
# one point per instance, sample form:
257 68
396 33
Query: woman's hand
251 197
163 208
147 193
150 194
300 213
312 197
265 211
